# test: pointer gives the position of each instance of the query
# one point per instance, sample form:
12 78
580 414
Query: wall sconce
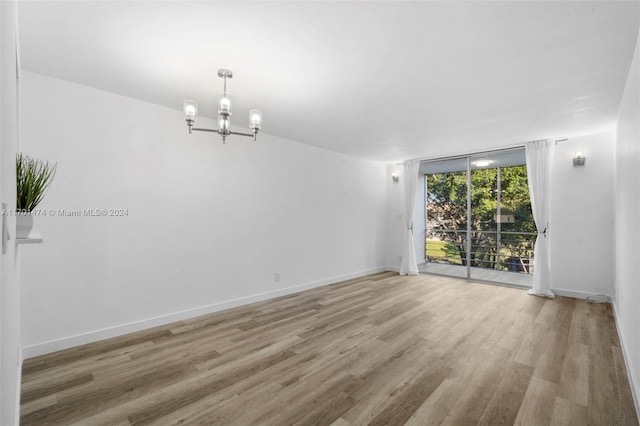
395 177
579 159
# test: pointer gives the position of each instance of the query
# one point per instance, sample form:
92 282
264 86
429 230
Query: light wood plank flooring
379 350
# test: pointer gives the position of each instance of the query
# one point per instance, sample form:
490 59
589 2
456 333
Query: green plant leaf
33 178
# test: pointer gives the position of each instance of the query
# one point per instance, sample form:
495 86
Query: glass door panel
518 230
502 229
483 233
446 217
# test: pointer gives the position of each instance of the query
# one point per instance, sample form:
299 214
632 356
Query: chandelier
224 114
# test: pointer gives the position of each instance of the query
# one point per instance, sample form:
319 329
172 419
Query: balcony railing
498 250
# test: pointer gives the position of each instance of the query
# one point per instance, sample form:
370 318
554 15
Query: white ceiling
379 80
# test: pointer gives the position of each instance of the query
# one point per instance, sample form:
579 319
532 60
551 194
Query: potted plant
33 177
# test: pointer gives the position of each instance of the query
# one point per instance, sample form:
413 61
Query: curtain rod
508 148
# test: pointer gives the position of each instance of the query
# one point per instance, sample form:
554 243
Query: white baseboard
575 294
633 382
119 330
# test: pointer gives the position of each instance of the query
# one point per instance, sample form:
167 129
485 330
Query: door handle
5 229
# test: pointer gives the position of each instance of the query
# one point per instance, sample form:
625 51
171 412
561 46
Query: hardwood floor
380 350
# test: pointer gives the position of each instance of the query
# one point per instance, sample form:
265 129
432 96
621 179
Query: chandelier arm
241 134
201 129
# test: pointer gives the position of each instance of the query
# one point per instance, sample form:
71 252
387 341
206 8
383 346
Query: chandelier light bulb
191 109
225 105
255 119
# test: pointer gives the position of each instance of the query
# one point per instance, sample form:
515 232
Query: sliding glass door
478 217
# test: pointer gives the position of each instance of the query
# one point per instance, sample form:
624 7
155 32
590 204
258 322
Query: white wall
627 229
395 217
10 358
581 222
208 224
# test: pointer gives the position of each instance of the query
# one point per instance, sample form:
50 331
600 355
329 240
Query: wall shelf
33 238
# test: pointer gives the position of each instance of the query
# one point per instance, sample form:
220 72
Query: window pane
446 214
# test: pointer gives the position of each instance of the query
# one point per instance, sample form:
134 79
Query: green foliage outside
447 217
444 250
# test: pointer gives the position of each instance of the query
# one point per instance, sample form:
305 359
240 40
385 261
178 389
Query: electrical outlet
276 276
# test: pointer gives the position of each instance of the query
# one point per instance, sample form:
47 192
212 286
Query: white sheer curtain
539 155
409 266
